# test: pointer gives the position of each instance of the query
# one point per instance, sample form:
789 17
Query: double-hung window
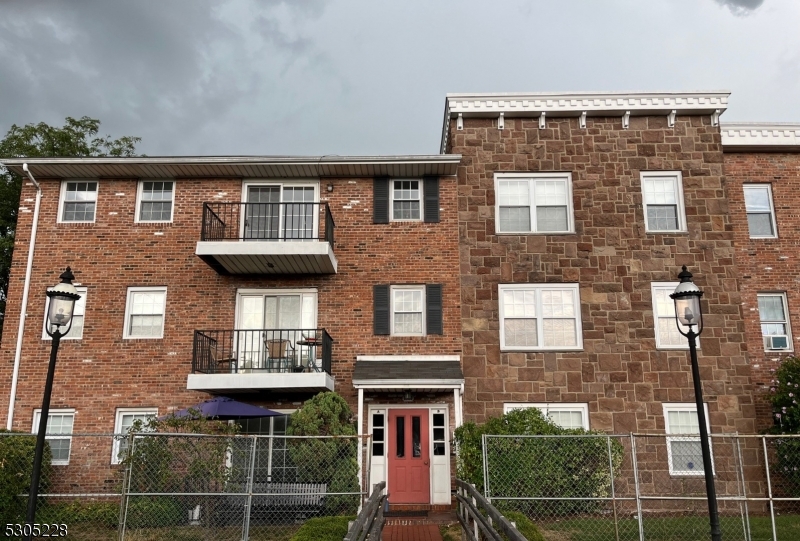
534 203
78 201
58 433
760 212
155 201
774 321
662 197
407 310
78 314
564 415
124 422
406 200
664 321
536 317
683 452
144 312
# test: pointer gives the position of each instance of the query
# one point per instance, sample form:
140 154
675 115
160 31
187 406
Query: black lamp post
688 314
59 316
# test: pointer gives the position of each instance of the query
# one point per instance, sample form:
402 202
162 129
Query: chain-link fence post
249 503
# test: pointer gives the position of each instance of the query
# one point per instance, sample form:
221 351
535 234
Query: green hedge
524 525
16 466
323 529
537 467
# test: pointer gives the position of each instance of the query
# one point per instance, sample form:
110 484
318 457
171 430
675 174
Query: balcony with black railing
268 238
251 360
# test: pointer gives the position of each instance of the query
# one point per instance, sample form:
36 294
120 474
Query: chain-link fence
235 487
646 487
168 486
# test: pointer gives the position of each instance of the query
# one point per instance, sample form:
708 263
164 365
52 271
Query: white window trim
394 288
567 177
546 407
276 293
684 406
539 328
140 190
82 291
421 201
60 217
35 429
129 295
118 427
761 186
299 183
682 227
671 286
785 301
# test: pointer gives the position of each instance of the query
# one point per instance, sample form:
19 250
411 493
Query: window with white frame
406 200
683 452
534 203
155 201
773 313
58 433
78 313
144 312
124 421
537 317
78 201
662 196
664 321
408 310
760 211
564 415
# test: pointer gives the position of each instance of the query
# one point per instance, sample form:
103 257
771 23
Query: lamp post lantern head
687 304
62 304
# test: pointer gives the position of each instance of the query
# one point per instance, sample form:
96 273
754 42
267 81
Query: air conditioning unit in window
777 341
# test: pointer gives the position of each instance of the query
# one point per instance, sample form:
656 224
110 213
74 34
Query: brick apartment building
527 265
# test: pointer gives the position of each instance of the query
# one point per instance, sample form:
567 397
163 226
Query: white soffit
760 136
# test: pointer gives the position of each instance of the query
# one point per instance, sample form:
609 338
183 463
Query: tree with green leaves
78 137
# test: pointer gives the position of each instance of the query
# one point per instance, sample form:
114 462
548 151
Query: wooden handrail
495 521
369 522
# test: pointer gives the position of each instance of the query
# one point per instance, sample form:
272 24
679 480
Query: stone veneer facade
619 373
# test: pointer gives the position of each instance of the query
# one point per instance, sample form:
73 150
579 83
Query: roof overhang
238 166
413 373
575 104
760 137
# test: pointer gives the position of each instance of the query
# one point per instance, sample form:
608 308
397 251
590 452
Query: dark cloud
741 7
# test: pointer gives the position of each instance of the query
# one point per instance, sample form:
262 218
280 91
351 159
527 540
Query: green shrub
524 525
567 467
103 514
154 512
785 390
323 529
332 461
16 467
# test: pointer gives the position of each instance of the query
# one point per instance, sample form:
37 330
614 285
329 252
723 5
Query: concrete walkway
411 532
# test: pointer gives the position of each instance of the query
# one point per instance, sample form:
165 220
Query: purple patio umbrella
225 408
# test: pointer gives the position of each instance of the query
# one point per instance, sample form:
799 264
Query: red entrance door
409 462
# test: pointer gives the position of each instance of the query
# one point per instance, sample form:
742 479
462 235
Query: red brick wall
766 265
102 371
619 373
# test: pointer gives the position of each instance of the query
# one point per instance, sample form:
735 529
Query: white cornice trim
410 384
755 136
408 358
576 104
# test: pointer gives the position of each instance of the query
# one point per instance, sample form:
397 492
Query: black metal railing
261 350
267 221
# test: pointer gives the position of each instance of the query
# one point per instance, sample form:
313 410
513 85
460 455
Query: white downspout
23 310
361 446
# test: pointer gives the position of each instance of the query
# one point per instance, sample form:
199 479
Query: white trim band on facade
756 136
408 358
411 384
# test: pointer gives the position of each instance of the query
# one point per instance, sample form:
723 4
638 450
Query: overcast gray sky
369 77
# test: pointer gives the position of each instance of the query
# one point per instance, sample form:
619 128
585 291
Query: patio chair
280 355
224 360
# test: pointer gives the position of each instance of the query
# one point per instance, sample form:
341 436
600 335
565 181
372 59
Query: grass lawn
91 532
668 529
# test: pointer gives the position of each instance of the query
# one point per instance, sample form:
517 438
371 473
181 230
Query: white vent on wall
777 341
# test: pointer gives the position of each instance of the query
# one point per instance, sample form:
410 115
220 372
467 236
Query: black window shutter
380 309
430 188
433 302
380 201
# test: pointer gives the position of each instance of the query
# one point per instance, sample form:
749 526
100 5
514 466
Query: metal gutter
23 309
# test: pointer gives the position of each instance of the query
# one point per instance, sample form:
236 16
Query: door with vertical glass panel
265 318
408 456
280 213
